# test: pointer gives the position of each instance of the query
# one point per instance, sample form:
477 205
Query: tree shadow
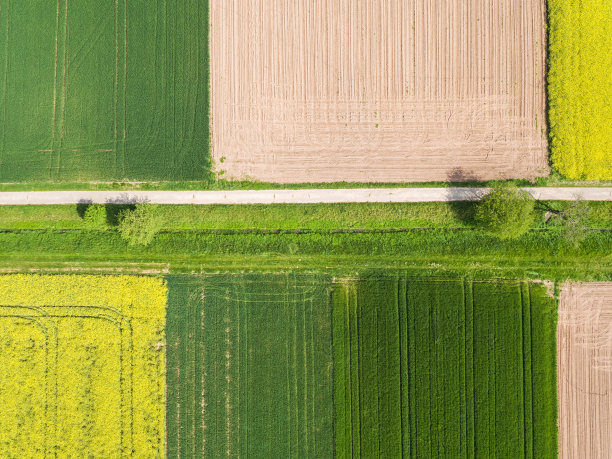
115 212
82 207
116 208
463 202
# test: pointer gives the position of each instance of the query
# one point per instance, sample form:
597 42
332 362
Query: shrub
507 212
575 219
95 217
139 226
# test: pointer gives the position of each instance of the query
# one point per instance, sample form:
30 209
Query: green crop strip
427 367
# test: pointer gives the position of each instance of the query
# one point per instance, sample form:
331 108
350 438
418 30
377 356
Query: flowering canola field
82 366
579 80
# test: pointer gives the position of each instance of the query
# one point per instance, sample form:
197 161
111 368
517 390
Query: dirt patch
378 90
584 357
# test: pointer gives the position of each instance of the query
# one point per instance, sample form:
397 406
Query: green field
444 368
249 365
107 90
382 365
579 77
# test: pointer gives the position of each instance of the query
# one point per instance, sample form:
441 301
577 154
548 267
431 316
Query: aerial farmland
305 229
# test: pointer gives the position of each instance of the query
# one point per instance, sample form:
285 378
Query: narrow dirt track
378 90
303 196
584 373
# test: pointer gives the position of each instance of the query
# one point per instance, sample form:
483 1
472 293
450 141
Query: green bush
575 217
95 217
139 226
506 212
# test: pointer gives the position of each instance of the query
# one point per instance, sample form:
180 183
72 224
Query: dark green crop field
444 368
104 90
249 366
387 364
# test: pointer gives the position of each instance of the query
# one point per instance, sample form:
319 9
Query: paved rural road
303 196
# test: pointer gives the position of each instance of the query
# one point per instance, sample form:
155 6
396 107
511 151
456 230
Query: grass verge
322 217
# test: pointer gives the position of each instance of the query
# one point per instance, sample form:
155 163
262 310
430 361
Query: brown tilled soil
584 373
378 90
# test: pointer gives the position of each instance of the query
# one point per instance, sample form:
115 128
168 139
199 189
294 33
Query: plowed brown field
378 90
584 357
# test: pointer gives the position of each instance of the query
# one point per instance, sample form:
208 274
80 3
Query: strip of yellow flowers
82 366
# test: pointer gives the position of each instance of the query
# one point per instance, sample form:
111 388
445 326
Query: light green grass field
103 90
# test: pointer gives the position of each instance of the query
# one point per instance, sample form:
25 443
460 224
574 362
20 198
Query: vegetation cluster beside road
292 216
343 236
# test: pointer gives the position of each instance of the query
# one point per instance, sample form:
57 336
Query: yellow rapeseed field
82 366
579 88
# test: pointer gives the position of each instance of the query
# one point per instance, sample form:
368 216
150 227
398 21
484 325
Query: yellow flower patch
82 366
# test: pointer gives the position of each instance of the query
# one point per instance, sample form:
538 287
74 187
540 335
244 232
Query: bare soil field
584 358
378 90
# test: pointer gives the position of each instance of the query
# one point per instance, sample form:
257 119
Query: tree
95 217
139 226
507 211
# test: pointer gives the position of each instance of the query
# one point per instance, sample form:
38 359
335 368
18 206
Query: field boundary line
116 85
302 196
55 64
64 93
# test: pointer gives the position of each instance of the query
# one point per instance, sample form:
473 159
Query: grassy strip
291 216
554 180
285 216
537 254
426 244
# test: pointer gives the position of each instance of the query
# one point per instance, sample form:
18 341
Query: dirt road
304 196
